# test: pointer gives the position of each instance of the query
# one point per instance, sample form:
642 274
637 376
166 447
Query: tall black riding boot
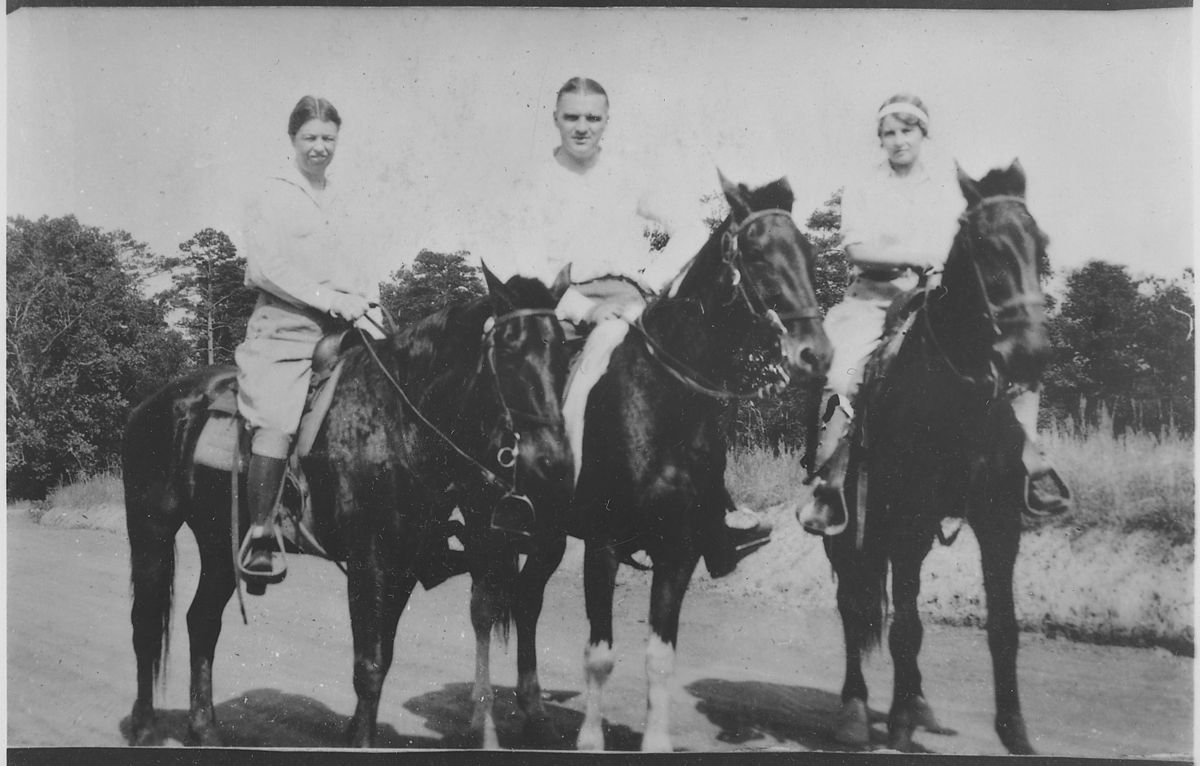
264 477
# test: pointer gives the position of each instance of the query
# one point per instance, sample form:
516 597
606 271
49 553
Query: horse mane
444 347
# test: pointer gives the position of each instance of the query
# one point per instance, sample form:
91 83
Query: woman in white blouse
899 221
588 207
306 283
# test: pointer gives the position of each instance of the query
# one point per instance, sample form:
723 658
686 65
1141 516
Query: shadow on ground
270 718
747 711
448 711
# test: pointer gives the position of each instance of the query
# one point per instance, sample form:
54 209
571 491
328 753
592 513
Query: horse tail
152 516
502 586
862 594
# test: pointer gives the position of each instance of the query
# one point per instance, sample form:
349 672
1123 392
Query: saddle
221 444
900 320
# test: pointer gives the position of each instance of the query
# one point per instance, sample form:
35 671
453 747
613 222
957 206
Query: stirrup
1055 505
257 580
814 517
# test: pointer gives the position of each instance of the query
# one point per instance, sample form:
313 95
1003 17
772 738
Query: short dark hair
582 85
312 108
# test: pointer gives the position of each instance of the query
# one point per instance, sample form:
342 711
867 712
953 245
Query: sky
159 121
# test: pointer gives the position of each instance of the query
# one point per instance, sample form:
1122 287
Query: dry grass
1119 569
94 503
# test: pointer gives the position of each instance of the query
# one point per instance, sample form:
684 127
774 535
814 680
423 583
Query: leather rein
1012 311
507 455
731 256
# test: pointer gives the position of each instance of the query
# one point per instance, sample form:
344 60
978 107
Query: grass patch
97 502
1130 483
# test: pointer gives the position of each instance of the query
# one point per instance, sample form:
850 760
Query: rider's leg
264 481
826 513
589 368
1046 494
854 327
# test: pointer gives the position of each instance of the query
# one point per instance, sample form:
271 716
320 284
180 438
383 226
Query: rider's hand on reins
348 306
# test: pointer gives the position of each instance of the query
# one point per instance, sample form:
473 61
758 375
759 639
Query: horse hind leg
528 599
599 582
909 707
860 599
483 618
216 586
151 531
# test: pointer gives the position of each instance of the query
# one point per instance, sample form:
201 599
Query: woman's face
315 144
581 119
902 142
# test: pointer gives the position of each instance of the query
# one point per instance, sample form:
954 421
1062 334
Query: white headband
901 107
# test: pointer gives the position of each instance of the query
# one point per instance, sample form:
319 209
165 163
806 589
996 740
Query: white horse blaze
597 666
660 669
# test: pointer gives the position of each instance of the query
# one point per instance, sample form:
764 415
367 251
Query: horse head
776 268
525 352
992 312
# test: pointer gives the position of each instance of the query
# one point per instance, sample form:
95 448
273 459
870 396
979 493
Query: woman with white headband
897 223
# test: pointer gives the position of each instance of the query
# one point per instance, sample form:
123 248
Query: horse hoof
900 738
590 740
659 744
1014 737
853 728
923 716
541 732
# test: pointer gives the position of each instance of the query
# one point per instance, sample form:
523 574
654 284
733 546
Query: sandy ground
751 674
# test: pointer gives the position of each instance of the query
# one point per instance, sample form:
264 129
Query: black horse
941 441
461 409
653 447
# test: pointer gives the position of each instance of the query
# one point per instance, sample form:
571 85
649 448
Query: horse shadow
271 718
448 711
751 710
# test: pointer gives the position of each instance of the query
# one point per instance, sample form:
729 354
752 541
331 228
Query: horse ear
498 290
735 195
968 186
1015 175
562 283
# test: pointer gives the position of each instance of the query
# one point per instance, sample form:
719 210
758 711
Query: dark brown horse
461 409
941 441
653 449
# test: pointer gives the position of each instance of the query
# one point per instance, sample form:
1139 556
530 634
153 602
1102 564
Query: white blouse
902 219
294 244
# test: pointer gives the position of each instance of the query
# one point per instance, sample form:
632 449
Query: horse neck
437 359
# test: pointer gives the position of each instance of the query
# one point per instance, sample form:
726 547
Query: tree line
86 342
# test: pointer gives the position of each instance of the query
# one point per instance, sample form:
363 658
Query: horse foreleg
204 626
531 590
483 617
377 599
999 539
666 601
909 708
599 581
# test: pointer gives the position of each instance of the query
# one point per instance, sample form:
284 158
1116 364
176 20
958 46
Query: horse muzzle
806 349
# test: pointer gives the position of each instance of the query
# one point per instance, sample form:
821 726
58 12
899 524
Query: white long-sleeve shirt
294 244
596 221
902 219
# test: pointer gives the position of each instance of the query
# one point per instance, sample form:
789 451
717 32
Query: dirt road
749 676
